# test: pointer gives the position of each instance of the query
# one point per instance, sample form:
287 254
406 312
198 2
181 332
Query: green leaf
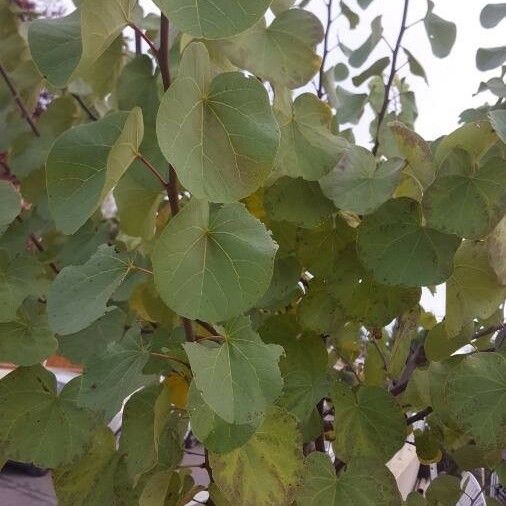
349 106
359 56
218 19
297 201
361 298
308 148
82 346
441 33
376 69
220 134
90 480
371 424
475 138
115 374
392 241
362 483
490 57
217 435
341 72
492 14
240 378
415 66
38 426
86 162
360 185
213 262
497 251
304 366
465 200
364 3
55 46
419 172
473 290
498 121
283 53
445 489
10 204
19 278
27 340
145 418
272 458
440 346
79 294
352 17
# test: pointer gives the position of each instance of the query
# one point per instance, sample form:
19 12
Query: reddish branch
393 70
325 49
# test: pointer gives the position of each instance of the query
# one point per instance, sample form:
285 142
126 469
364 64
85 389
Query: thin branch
418 355
325 48
153 169
384 39
319 442
140 34
390 81
418 416
169 357
19 101
488 330
163 52
41 249
208 327
84 107
414 23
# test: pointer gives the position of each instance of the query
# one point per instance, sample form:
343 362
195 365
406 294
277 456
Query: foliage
193 226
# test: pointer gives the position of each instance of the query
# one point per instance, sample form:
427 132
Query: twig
140 34
41 249
395 54
208 327
319 442
19 101
84 107
325 48
488 330
153 169
418 416
417 355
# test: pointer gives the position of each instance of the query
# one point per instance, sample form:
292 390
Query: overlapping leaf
392 240
10 204
240 378
219 133
213 262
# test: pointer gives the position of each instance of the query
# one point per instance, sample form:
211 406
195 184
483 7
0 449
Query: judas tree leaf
473 290
38 426
476 395
492 14
218 19
213 262
466 201
415 66
79 294
55 46
364 300
349 106
394 245
445 489
114 374
304 366
420 171
358 184
371 424
27 340
145 417
240 378
359 56
283 53
365 482
86 162
10 204
308 148
497 250
441 33
297 201
82 346
376 69
490 57
19 278
272 458
220 134
217 435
